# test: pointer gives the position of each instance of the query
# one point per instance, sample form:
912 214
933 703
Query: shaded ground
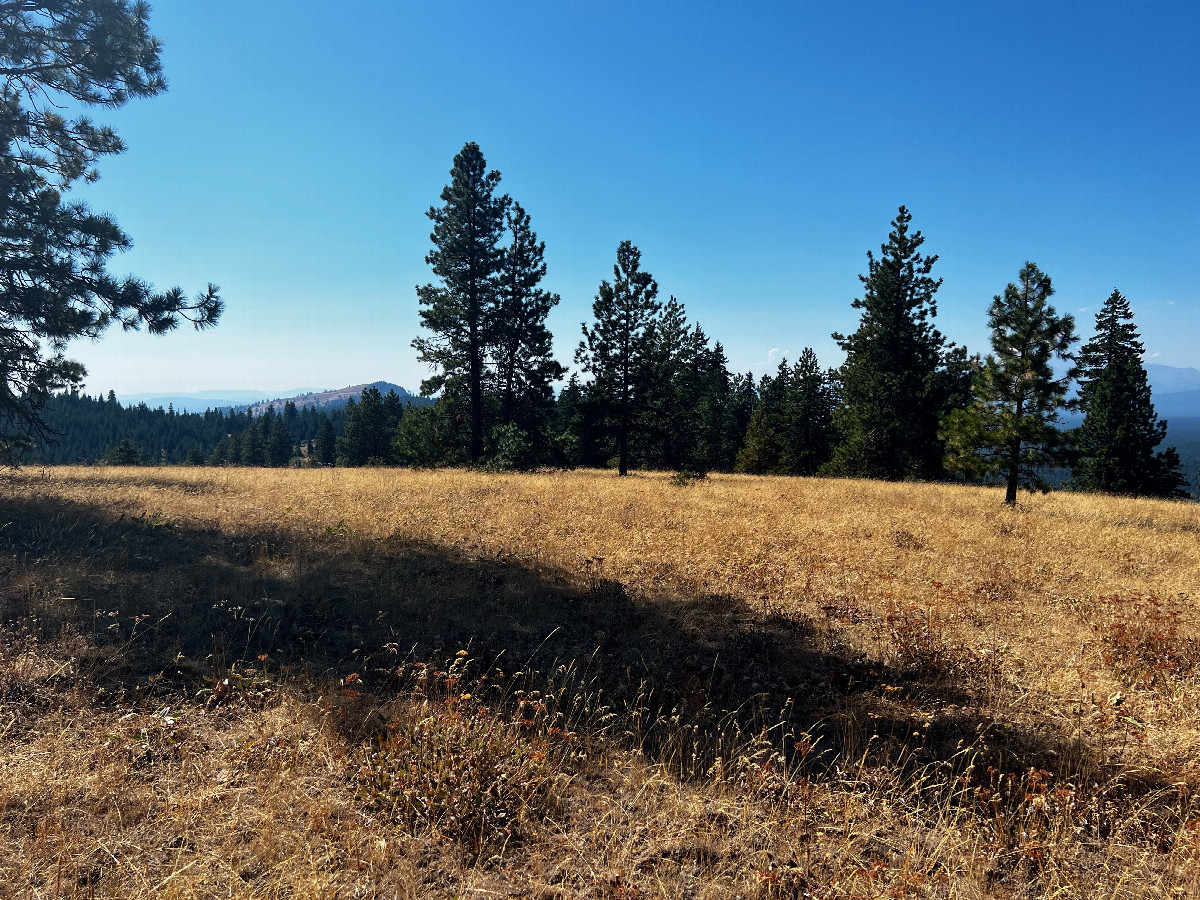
164 610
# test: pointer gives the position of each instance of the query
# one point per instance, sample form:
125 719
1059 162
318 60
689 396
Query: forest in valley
651 389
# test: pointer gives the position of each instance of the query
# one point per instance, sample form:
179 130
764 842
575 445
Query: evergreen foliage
525 365
326 444
461 313
1011 428
428 436
54 284
1120 431
370 429
900 376
617 349
279 448
123 453
579 435
791 429
85 428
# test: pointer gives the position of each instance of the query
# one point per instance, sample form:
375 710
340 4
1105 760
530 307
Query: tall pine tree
900 375
1120 430
467 257
1011 428
617 349
525 365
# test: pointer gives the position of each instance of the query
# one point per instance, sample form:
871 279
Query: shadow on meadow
154 609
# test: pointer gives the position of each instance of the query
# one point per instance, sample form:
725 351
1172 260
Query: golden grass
394 683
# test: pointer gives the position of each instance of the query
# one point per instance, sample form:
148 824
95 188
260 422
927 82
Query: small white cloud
1170 303
1083 309
773 354
1155 355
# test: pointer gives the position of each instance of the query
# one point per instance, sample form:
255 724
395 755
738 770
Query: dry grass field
385 683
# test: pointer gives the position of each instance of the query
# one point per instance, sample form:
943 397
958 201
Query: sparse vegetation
370 682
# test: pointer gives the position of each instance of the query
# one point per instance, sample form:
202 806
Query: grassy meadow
391 683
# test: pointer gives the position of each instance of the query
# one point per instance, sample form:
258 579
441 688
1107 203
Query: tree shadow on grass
159 608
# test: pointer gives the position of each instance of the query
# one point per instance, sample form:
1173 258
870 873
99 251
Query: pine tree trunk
623 463
1014 473
476 397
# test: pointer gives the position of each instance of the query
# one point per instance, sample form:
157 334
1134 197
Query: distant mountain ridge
199 401
257 402
1171 379
334 399
1174 391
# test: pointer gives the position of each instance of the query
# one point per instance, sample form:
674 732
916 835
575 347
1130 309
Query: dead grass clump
1142 642
452 767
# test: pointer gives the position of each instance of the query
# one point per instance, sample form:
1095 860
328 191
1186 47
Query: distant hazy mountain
199 401
334 399
1170 380
1175 392
258 401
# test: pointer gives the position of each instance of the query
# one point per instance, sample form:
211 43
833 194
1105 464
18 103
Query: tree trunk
1010 494
476 396
623 461
1014 473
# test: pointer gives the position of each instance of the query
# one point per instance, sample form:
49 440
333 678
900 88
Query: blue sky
754 152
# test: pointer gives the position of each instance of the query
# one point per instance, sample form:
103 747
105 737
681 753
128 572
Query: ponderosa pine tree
1011 428
900 375
616 349
1120 431
54 282
525 365
467 257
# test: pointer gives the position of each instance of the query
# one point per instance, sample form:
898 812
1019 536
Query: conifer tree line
651 390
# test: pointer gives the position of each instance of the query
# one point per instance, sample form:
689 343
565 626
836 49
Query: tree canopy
1011 428
617 349
900 375
54 282
1120 430
466 257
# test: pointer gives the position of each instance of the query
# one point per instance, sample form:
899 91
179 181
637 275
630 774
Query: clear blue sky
754 152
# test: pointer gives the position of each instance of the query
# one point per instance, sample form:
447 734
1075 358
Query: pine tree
1010 429
616 349
326 443
278 449
254 444
525 366
370 429
791 429
578 434
1120 427
54 284
467 258
900 375
717 438
124 453
763 447
666 426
